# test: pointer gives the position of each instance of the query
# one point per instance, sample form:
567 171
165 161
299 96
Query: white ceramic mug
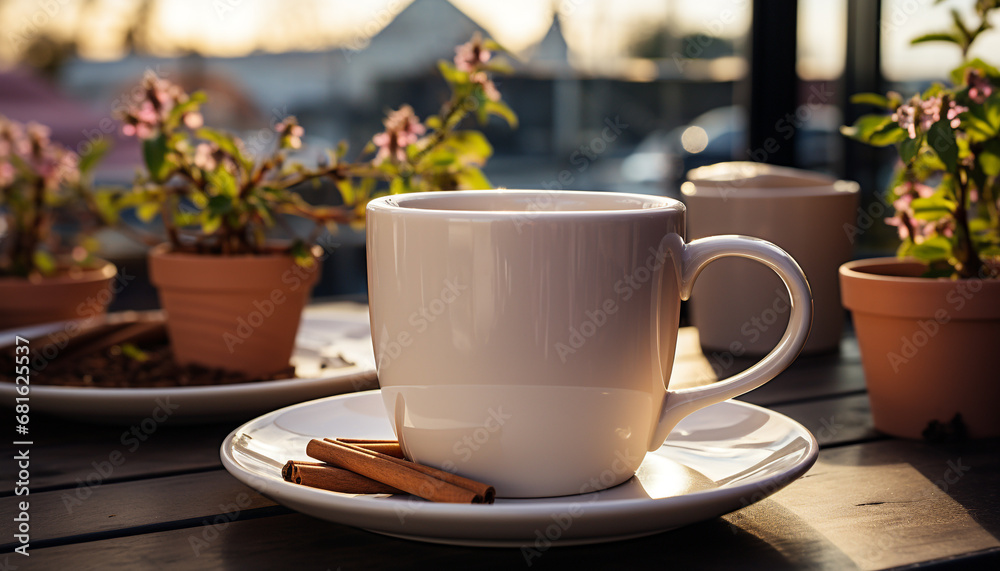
526 338
810 215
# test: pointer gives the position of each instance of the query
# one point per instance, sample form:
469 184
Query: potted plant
46 275
232 293
928 321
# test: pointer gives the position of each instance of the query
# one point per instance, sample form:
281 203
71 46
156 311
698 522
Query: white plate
326 332
717 460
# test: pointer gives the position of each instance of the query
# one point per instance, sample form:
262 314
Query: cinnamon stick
390 447
385 469
485 491
326 477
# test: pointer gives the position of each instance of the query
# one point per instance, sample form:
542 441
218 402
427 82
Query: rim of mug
746 179
734 190
399 202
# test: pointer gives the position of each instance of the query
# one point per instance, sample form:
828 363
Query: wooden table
870 502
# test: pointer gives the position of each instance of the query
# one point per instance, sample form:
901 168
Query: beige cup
740 307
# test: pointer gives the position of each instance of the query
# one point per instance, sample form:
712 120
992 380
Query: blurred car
664 157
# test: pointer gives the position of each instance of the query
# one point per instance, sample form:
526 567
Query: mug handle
694 256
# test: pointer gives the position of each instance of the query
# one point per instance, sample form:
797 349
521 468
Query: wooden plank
834 421
892 503
870 506
79 455
810 376
117 507
296 541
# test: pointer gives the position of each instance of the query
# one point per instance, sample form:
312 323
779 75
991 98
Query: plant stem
33 233
971 264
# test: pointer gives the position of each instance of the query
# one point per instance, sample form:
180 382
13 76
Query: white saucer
337 333
717 460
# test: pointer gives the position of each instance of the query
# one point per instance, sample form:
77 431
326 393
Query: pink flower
470 55
906 116
43 159
402 128
918 115
979 86
146 117
489 88
204 157
902 204
291 133
6 173
922 190
193 120
954 110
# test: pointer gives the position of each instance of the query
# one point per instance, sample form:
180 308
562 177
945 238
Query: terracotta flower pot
239 313
928 346
75 294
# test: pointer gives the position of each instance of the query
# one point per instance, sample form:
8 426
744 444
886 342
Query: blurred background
618 96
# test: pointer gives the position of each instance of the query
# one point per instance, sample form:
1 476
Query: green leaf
934 90
303 257
499 65
94 154
174 118
147 212
44 262
200 199
958 74
989 158
222 182
866 125
346 191
107 206
210 221
227 143
471 178
471 146
909 148
991 113
220 204
890 134
154 153
876 99
941 138
932 249
452 75
492 45
185 219
932 208
501 110
399 185
133 352
936 37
